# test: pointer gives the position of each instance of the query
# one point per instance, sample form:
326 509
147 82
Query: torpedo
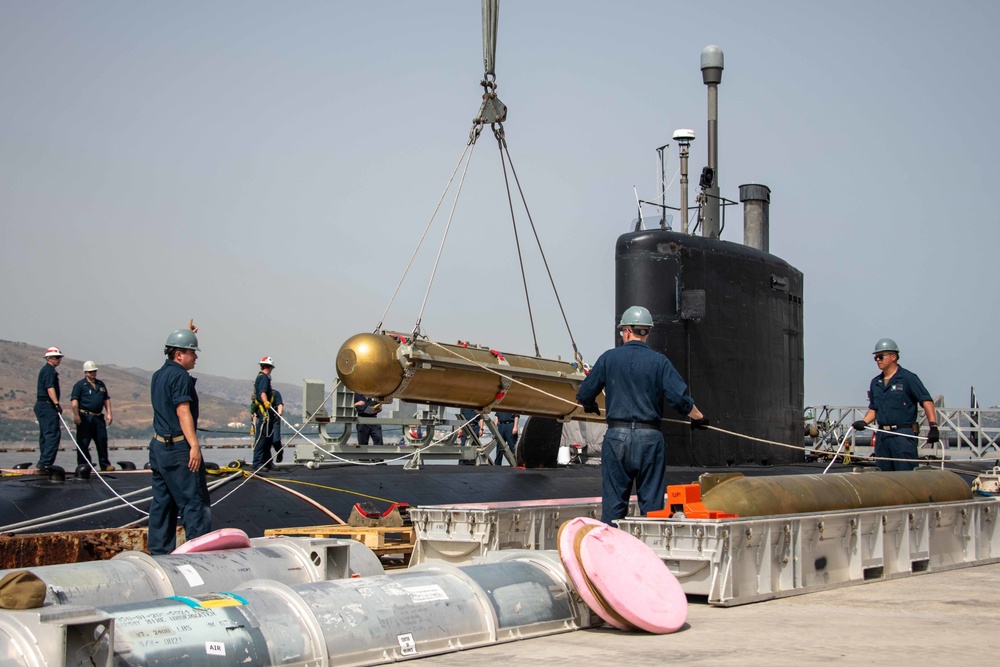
390 366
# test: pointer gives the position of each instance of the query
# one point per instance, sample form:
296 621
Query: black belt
510 422
893 427
170 440
634 425
88 412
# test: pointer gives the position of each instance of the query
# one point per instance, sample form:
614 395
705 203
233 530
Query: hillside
222 400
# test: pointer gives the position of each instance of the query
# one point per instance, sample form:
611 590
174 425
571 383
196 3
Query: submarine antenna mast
684 139
711 74
663 187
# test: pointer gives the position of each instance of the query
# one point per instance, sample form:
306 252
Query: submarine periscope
389 366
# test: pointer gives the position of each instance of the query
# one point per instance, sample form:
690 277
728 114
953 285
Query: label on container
191 574
215 648
429 593
407 645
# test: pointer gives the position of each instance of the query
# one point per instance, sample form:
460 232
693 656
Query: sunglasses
880 356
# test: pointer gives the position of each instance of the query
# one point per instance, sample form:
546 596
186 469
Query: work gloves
699 423
859 425
933 435
592 408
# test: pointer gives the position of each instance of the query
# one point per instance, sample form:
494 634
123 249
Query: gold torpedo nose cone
367 364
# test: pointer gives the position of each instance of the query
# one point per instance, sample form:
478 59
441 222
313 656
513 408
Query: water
215 450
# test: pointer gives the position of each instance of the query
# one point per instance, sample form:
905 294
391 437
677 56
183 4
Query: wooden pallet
391 540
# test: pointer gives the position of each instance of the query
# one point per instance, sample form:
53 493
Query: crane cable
502 141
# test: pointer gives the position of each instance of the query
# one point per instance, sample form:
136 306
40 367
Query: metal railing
965 432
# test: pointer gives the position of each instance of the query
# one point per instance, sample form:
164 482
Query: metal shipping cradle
742 560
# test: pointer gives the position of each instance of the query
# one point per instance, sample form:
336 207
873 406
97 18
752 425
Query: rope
801 448
507 377
422 237
75 512
93 469
306 498
334 488
211 487
333 456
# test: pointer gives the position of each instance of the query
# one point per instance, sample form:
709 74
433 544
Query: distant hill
222 400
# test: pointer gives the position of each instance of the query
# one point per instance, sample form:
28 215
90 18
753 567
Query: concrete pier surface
929 619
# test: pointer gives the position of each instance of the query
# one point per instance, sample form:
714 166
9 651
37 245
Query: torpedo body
391 366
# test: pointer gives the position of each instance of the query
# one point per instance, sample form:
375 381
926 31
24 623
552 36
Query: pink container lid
568 554
217 540
632 580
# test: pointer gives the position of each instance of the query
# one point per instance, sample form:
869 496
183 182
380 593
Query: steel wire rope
444 237
498 133
423 236
506 149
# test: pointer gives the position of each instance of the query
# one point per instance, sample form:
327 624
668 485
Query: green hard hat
183 339
636 316
886 345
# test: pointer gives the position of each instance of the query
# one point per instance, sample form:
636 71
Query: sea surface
217 450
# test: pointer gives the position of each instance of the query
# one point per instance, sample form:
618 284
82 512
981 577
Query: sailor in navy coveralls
368 407
635 380
507 426
893 397
92 414
179 478
263 420
47 409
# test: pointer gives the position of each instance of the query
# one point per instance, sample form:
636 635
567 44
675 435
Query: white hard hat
267 361
89 366
53 352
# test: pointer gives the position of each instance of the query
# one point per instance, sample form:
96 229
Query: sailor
262 404
179 479
473 423
279 408
368 407
507 425
92 414
635 380
47 409
892 402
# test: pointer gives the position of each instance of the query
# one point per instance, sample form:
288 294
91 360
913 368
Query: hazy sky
268 167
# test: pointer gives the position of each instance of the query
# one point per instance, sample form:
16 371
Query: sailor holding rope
893 397
636 380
